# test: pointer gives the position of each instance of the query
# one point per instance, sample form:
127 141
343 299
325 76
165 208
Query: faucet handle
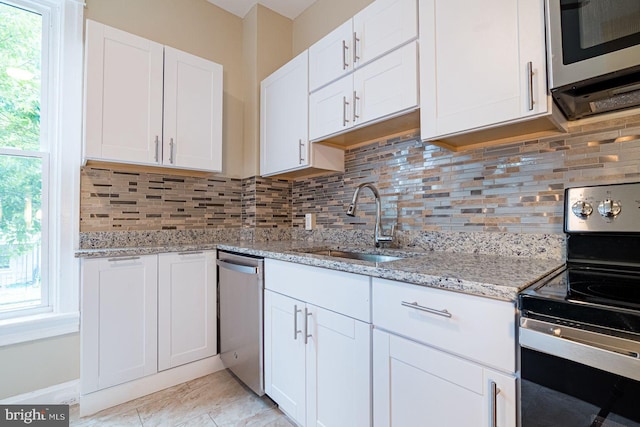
387 237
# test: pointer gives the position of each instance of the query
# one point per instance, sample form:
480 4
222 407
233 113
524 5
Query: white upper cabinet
330 108
192 111
284 117
123 96
331 57
284 122
386 87
133 85
379 28
482 64
383 26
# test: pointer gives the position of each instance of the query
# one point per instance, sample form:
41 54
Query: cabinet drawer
345 293
475 328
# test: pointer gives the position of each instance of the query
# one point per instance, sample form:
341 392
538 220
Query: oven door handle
601 346
609 353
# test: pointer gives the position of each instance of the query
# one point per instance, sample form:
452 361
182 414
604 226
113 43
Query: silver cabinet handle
493 410
416 306
128 258
238 268
345 64
530 76
171 145
300 145
356 58
355 106
157 146
307 335
190 253
296 331
345 104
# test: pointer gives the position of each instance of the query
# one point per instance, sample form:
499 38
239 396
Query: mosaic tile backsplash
515 188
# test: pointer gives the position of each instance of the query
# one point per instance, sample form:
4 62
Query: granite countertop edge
459 272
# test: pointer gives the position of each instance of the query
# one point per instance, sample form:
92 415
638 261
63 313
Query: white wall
39 364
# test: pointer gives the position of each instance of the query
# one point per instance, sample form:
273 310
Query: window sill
31 328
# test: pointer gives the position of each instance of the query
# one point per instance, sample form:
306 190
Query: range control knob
609 208
581 209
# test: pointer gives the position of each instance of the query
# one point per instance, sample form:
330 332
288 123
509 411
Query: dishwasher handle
246 269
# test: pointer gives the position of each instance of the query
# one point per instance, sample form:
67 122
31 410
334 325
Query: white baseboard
112 396
59 394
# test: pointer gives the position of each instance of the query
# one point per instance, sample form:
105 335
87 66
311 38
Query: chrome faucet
378 234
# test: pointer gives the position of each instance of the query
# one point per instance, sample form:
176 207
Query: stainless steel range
580 329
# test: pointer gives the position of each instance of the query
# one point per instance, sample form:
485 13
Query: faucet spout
378 234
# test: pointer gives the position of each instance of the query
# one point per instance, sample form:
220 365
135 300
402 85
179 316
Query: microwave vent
615 91
616 102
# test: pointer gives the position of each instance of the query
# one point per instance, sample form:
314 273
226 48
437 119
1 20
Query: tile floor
216 400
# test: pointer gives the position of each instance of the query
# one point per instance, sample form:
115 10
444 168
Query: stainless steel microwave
594 52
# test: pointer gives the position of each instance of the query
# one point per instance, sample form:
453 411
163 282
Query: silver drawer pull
416 306
296 331
307 335
493 409
530 75
190 253
129 258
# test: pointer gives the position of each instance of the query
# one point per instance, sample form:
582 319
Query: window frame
62 73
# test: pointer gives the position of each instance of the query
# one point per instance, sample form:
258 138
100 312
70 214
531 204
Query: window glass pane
20 232
20 77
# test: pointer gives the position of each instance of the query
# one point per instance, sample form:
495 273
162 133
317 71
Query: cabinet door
382 26
331 57
123 96
284 353
186 308
331 109
119 320
475 73
284 117
338 370
387 86
192 112
417 385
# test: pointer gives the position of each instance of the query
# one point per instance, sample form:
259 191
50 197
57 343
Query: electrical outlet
309 221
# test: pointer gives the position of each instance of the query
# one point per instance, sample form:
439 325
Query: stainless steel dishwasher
241 286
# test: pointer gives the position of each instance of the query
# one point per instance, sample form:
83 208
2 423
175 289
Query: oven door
577 378
589 38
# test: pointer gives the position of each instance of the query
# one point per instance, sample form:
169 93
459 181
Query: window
23 153
40 60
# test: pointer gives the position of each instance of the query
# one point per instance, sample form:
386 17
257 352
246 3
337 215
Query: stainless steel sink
363 256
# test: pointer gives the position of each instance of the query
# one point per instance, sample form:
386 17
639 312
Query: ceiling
289 8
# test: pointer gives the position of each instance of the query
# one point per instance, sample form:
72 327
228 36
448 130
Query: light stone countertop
492 276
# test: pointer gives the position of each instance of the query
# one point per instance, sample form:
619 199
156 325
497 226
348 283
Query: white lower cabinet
416 385
119 320
142 314
284 354
442 358
186 308
317 361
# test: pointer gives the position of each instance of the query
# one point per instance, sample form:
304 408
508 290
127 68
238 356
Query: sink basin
363 256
